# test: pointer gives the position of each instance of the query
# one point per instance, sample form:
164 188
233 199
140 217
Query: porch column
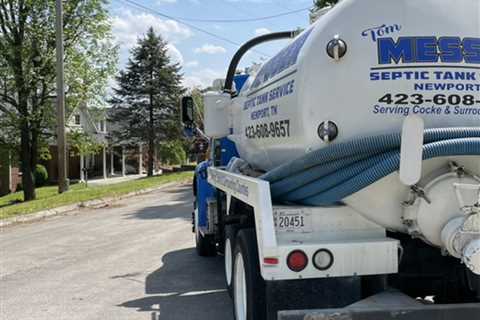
104 160
140 159
123 161
112 163
82 174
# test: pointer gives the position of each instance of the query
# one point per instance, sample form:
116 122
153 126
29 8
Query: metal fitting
461 237
337 48
327 131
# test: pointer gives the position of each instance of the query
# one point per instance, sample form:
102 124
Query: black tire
228 254
246 248
205 245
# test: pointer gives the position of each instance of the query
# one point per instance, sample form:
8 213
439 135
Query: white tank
403 57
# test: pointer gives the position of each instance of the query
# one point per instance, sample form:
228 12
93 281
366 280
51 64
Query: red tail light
270 261
297 260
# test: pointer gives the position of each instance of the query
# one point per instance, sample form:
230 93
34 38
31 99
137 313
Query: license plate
292 221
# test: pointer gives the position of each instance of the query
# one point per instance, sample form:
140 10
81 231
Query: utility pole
61 138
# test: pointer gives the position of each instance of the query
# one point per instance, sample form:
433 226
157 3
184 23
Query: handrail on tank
247 46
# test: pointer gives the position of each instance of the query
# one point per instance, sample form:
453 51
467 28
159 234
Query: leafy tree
173 152
27 66
82 144
146 100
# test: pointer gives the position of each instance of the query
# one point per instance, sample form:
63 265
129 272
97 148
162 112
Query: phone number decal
439 104
439 99
274 129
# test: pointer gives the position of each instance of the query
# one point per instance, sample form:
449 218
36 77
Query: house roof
92 115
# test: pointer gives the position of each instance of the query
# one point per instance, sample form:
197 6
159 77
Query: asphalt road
133 260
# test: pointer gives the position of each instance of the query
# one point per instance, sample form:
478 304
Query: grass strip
48 197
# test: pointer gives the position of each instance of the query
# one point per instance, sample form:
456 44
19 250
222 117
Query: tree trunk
28 180
151 157
151 140
34 150
27 159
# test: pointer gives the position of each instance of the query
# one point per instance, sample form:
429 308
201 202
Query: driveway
133 260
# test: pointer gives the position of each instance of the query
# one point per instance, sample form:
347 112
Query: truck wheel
249 301
229 245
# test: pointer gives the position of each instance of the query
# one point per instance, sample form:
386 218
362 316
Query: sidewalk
115 179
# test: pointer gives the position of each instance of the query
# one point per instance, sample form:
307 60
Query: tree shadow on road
178 206
185 287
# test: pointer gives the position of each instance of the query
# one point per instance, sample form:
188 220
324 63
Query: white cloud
127 27
210 49
174 54
202 78
261 31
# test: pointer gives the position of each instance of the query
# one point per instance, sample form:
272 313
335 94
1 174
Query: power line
245 19
289 12
156 12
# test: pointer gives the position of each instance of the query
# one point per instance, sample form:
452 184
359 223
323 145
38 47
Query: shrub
172 153
41 176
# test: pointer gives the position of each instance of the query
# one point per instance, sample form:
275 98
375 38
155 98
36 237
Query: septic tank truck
343 180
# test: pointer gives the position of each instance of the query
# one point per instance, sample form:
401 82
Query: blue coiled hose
328 175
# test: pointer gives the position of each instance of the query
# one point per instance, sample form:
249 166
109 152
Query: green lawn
48 197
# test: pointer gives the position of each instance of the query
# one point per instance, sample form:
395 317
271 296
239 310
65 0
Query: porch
110 163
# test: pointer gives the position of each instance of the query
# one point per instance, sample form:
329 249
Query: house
119 159
111 161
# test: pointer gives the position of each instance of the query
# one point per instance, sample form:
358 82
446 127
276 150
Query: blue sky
203 57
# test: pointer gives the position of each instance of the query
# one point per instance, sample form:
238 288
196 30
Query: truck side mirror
187 106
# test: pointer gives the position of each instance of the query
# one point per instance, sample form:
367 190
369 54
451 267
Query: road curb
91 204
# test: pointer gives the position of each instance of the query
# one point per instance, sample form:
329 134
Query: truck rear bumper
389 306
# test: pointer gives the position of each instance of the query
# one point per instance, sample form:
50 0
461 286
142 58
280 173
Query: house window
77 119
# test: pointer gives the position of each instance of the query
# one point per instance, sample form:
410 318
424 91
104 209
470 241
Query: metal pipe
246 47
